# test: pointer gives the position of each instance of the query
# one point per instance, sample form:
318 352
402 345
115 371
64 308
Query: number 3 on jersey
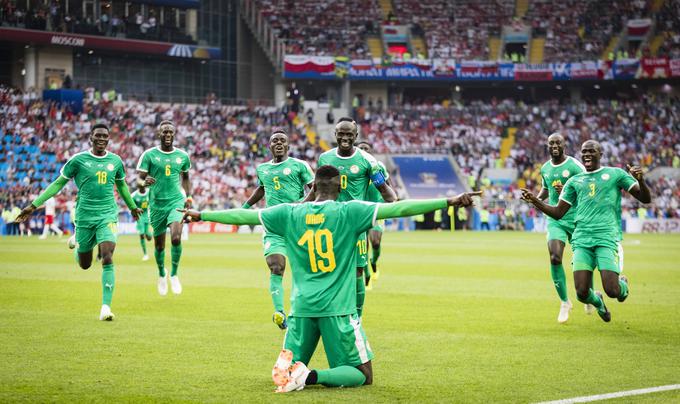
592 190
316 241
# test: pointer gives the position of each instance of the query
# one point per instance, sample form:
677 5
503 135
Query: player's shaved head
556 136
591 154
592 144
556 146
278 145
346 126
364 145
327 182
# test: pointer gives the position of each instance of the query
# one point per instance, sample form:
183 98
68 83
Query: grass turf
463 317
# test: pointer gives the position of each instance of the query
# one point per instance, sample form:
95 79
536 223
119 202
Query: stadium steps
507 143
386 7
536 50
418 45
494 48
375 46
656 43
521 8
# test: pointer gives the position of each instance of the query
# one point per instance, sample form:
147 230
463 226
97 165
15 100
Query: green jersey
284 182
373 194
321 242
355 172
553 175
95 178
165 167
596 197
142 201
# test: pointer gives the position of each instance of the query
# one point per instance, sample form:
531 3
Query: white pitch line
587 399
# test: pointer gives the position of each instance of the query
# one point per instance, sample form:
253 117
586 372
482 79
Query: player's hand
527 196
190 215
558 188
188 203
280 319
464 199
136 213
25 213
148 181
635 171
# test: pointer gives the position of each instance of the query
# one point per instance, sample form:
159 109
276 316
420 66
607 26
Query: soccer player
95 172
555 173
162 169
281 180
50 213
358 170
596 197
320 240
375 234
141 198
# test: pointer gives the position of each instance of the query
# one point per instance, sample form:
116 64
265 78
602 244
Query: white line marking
586 399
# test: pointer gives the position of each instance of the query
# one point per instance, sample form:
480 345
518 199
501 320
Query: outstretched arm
48 193
556 212
640 191
418 207
255 197
124 193
229 216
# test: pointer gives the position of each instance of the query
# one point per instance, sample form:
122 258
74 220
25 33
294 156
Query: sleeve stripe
562 199
632 185
375 216
139 163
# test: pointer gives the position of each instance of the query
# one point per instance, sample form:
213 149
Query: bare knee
555 259
360 271
582 292
276 268
85 265
367 370
612 291
176 239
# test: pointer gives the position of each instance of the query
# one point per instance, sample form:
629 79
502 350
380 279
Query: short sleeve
186 165
259 180
143 164
569 192
70 169
361 215
275 219
625 180
321 161
306 174
120 170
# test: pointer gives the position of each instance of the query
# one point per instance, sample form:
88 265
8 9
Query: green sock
108 282
160 262
594 300
142 241
276 290
346 376
624 289
361 294
375 254
560 281
175 254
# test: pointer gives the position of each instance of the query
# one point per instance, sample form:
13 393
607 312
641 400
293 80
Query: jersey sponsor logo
178 160
605 176
565 173
157 158
109 167
88 164
354 169
286 171
315 219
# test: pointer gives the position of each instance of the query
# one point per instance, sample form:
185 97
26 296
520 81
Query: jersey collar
566 158
343 157
598 170
98 157
165 152
281 162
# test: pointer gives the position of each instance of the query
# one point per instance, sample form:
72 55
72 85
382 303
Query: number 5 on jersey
316 241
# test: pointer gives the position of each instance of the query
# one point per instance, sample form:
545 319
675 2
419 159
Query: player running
141 198
375 234
320 239
358 170
555 173
95 172
162 169
50 214
281 180
596 197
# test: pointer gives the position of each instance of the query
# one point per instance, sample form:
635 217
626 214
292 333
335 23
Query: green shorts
362 251
602 258
379 226
273 244
89 236
160 218
143 227
343 338
559 231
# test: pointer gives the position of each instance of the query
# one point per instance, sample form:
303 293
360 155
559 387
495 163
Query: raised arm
255 197
48 193
556 212
230 216
640 190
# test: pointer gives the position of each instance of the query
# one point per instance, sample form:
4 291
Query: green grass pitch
455 317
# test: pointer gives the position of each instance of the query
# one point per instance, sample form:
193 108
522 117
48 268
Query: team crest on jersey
565 173
605 176
178 160
286 171
109 167
354 169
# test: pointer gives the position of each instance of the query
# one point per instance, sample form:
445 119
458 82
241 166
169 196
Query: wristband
246 205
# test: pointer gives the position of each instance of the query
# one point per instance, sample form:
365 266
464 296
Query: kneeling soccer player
320 238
